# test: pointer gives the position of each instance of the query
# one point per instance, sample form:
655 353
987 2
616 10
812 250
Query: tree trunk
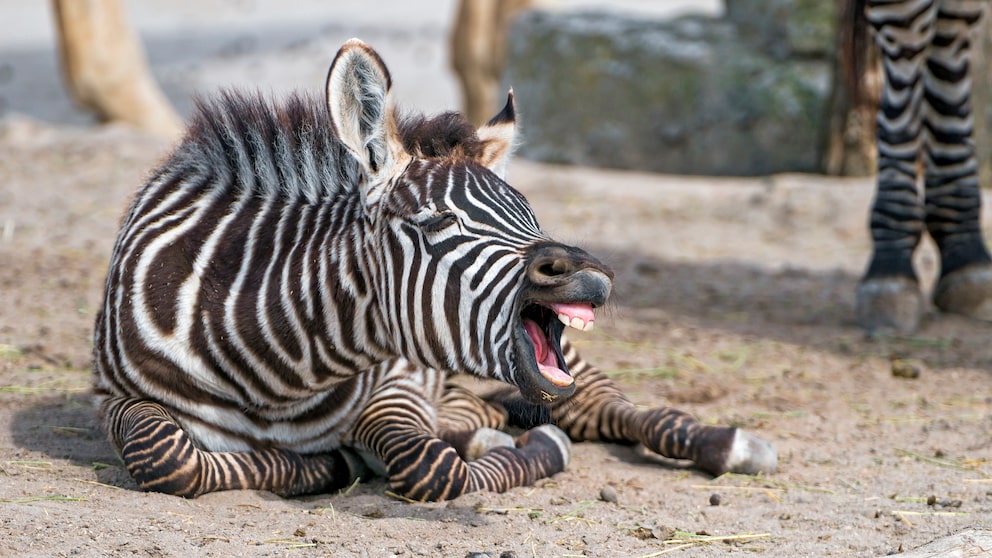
104 66
851 146
478 53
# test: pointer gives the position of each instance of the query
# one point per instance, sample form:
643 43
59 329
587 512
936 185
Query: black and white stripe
925 115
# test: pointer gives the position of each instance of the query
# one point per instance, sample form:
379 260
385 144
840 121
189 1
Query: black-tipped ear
509 113
497 138
358 86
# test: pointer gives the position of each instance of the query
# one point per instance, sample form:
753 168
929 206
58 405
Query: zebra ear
358 86
497 138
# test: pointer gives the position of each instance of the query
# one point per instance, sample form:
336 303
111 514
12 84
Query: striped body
214 276
925 117
292 289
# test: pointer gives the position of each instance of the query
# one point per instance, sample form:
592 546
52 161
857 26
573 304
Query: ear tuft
358 85
497 138
509 113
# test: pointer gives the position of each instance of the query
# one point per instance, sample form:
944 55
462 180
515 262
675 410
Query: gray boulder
787 28
692 95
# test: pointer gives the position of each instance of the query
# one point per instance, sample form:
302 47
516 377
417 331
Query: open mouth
539 348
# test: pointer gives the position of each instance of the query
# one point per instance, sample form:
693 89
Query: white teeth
575 322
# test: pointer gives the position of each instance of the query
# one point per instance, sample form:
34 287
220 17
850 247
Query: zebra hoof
967 291
889 306
750 455
549 436
485 439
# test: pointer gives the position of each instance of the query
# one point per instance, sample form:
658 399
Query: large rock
787 28
690 95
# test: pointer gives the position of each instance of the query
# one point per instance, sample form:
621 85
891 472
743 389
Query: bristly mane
288 148
447 134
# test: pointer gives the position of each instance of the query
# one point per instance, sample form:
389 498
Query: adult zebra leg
888 298
161 457
953 198
397 428
599 411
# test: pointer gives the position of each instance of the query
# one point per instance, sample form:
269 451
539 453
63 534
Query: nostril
553 268
547 271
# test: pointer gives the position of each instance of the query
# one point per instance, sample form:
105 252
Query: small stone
931 500
715 499
662 532
906 368
608 494
508 554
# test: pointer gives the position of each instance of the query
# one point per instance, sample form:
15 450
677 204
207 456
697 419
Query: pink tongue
547 362
580 310
537 338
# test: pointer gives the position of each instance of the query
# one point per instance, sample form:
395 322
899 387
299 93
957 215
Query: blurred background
713 87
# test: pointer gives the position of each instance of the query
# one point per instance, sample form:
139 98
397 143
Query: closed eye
439 222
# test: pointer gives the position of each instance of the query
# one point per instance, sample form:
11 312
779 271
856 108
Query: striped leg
888 298
470 424
953 199
397 428
161 457
599 411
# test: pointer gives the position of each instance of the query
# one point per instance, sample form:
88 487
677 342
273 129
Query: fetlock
732 450
547 448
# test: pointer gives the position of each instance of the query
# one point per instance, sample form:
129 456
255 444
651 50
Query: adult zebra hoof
966 291
889 305
750 455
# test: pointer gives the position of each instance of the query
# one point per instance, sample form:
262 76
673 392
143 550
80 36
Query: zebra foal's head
467 281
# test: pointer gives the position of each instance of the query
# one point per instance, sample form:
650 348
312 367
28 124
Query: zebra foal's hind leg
470 424
599 411
953 199
398 428
161 457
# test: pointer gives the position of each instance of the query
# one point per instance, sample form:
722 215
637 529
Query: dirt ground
734 301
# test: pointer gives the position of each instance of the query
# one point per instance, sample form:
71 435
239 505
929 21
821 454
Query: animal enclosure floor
734 301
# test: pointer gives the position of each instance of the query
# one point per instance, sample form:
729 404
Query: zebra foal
291 290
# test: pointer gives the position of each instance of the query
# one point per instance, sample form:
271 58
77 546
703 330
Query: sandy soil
734 301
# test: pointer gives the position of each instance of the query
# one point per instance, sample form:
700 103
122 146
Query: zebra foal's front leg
598 411
398 428
161 457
